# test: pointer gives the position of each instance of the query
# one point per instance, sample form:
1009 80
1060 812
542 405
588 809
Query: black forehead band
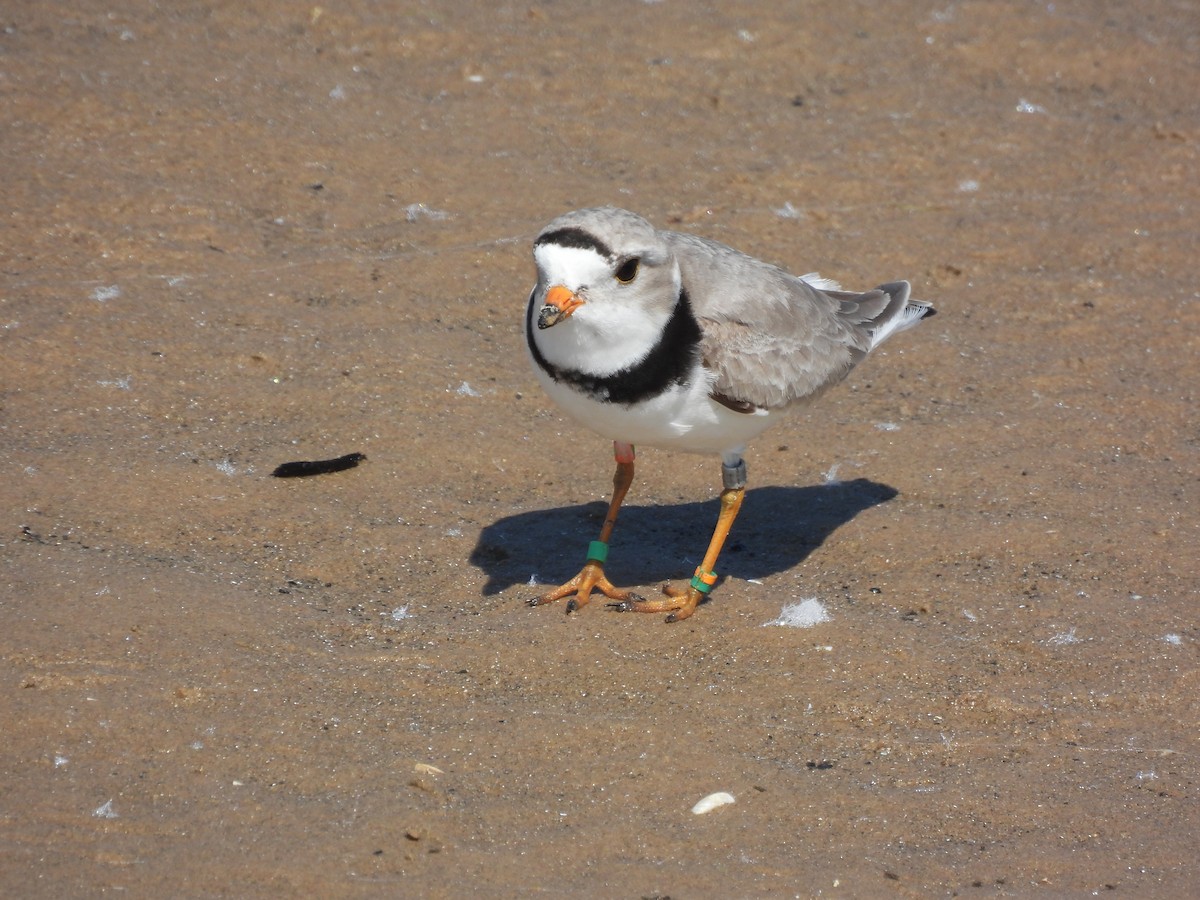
575 237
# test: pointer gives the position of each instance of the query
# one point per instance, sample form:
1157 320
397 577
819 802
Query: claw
590 578
680 614
628 604
678 603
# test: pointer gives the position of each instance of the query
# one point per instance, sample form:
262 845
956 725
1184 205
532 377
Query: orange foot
679 602
590 578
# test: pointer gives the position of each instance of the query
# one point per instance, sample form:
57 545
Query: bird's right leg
682 602
591 576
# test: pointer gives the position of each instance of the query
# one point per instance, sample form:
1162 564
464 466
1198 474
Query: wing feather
770 339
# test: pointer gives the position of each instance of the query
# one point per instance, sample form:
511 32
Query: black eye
628 270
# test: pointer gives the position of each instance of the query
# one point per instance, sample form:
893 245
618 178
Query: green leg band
597 552
704 581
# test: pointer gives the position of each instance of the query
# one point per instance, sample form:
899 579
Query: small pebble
712 801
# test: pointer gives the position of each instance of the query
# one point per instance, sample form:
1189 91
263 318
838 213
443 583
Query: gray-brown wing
769 338
786 351
754 366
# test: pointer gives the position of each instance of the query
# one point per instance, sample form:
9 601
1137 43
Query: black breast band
668 363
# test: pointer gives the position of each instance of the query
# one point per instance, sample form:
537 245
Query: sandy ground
240 234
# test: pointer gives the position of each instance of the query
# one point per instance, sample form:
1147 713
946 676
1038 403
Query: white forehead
573 267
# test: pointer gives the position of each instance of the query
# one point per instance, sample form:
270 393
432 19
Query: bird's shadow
778 528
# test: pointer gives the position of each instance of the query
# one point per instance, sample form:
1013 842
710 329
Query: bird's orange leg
682 602
591 576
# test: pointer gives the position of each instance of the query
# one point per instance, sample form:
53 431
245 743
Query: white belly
681 418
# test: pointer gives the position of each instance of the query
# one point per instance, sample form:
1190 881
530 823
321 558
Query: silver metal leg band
734 476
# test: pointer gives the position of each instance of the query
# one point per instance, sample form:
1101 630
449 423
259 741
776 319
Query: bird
675 341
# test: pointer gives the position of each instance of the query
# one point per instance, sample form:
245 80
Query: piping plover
671 340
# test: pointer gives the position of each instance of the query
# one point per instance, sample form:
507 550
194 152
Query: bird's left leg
591 576
682 602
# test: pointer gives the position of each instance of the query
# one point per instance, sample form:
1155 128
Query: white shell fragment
712 801
105 811
804 614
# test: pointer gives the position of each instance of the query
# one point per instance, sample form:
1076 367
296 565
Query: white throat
615 328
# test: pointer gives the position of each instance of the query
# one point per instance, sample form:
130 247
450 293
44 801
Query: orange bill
560 303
